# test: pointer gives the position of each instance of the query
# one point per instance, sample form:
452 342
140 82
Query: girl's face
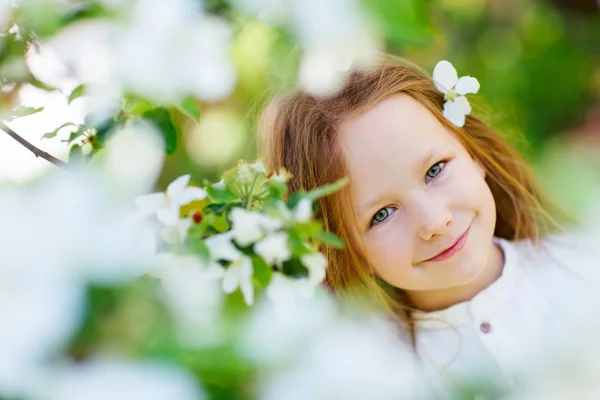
417 192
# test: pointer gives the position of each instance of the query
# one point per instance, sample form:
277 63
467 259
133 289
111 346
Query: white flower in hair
446 81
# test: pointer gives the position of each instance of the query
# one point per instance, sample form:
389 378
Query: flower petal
303 212
316 264
231 278
463 103
176 187
281 292
444 76
168 216
454 112
214 271
190 194
152 201
245 275
220 247
467 84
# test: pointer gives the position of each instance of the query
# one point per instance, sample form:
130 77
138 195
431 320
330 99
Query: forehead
397 130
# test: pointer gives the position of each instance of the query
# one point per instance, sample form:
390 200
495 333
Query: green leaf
76 155
198 247
77 92
308 228
52 134
327 189
103 130
295 199
138 106
162 119
74 135
297 245
294 268
277 189
330 239
262 271
42 85
25 111
190 108
220 195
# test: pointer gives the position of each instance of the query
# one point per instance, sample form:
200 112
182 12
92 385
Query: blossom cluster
242 227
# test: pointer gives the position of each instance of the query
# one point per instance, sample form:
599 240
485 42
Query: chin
472 263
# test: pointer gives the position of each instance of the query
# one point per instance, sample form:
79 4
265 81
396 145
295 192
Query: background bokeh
538 63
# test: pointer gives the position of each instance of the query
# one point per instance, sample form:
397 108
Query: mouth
453 249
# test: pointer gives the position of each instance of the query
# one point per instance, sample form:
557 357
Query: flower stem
250 192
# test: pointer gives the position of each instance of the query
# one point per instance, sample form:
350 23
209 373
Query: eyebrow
425 162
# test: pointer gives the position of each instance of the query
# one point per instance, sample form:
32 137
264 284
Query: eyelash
442 165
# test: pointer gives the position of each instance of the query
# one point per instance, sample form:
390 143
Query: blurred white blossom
303 211
220 247
56 237
194 295
163 51
239 274
353 359
119 379
166 205
274 248
336 35
5 14
245 226
286 292
250 226
134 158
316 264
177 233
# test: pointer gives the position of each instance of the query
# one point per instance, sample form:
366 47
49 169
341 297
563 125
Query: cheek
390 250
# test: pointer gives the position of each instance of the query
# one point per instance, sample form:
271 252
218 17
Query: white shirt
503 327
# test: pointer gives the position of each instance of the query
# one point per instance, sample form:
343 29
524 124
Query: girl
443 224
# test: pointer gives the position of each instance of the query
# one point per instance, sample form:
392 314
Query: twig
32 148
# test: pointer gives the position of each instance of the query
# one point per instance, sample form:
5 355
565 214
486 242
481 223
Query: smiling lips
450 251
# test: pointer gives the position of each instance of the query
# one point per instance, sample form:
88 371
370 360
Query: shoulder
575 252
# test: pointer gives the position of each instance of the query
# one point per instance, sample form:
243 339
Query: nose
432 217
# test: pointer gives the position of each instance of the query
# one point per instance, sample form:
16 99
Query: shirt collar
485 302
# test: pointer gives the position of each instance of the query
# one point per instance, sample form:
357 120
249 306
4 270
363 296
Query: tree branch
32 148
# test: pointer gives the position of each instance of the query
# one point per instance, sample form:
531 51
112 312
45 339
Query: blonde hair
300 132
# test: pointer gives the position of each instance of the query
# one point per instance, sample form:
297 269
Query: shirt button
485 327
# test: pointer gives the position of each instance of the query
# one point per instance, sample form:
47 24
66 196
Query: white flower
303 212
316 264
351 360
446 80
246 226
5 14
166 205
177 233
274 248
239 274
120 379
193 293
245 174
259 167
219 185
282 176
284 292
220 247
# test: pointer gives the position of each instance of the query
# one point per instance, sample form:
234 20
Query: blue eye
382 215
434 171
